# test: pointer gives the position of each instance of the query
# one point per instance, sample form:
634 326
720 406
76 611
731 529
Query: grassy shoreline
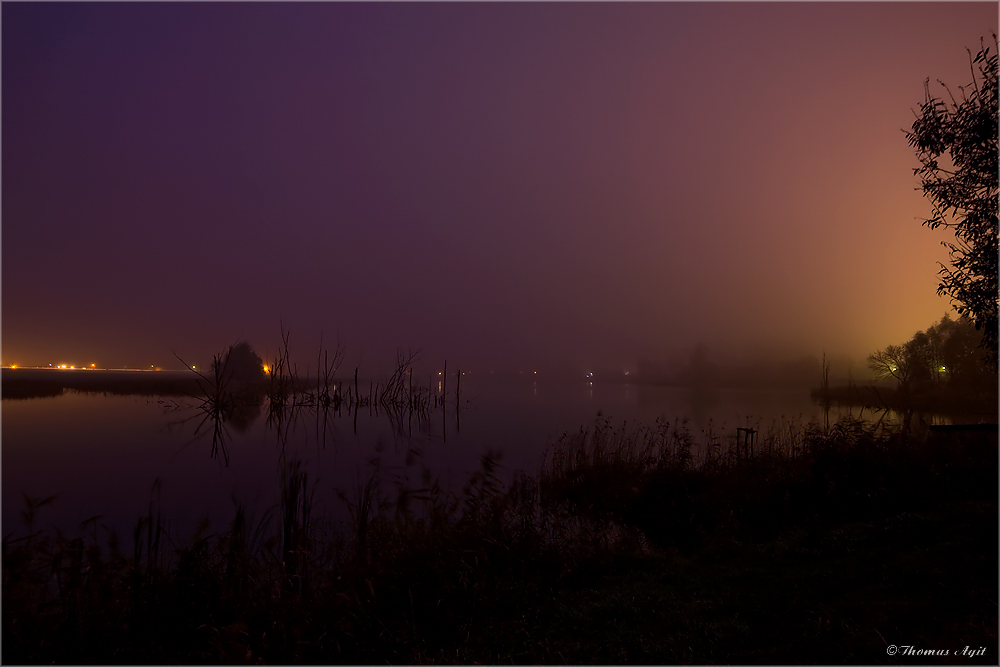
820 547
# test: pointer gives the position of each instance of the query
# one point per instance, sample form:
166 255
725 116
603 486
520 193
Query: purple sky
499 184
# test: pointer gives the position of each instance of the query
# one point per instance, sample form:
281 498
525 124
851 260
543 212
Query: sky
557 185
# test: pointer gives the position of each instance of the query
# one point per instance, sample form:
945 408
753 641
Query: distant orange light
266 369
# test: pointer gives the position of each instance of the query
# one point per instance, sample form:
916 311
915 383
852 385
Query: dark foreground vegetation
807 547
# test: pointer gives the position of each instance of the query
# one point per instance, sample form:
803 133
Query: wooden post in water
444 396
409 403
826 394
748 436
458 405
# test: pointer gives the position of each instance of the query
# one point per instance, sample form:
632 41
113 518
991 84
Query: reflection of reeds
397 398
224 399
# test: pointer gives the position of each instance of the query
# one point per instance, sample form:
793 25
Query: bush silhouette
242 368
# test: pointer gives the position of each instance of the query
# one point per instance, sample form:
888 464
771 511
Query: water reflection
703 401
100 455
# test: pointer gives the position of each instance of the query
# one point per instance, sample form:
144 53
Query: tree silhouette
892 362
956 144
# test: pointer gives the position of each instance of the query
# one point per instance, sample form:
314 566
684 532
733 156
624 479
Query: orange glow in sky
514 185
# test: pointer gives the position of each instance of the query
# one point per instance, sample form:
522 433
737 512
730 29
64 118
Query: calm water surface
112 455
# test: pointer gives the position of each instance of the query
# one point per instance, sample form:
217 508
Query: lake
110 456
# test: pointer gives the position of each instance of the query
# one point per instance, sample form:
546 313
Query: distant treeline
946 356
942 369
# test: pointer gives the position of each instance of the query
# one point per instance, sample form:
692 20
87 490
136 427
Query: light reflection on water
101 455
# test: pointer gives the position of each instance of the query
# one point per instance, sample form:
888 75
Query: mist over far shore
503 185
